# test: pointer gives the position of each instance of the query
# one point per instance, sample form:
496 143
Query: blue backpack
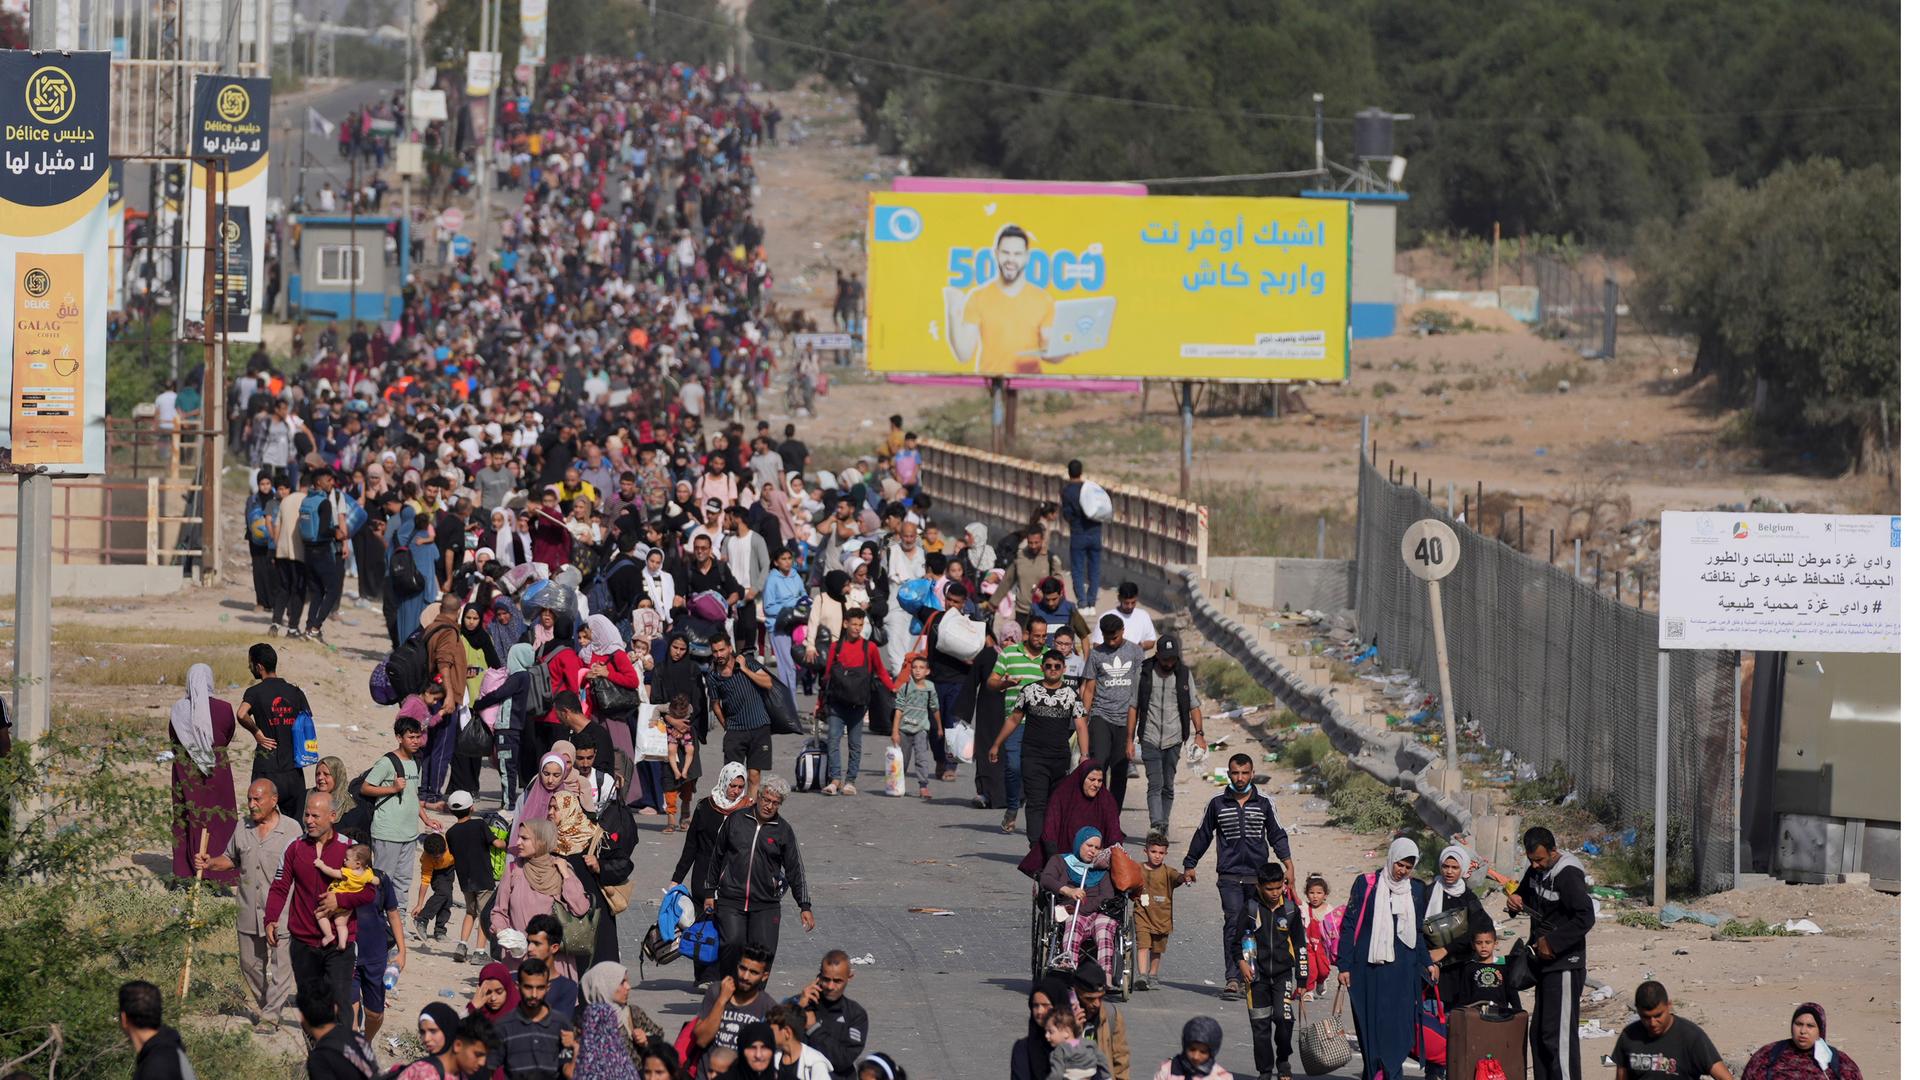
310 517
701 942
356 516
258 532
306 741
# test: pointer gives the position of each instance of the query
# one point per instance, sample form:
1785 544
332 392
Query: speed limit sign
1430 549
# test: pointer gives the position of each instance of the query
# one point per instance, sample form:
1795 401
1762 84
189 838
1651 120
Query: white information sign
1808 582
824 342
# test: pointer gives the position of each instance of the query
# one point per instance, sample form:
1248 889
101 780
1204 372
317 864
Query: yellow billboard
1108 286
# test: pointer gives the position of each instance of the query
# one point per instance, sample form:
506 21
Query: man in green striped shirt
1017 667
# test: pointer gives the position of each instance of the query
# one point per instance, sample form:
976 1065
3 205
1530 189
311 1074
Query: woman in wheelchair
1079 878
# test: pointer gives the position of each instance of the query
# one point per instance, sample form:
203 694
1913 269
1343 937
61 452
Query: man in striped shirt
1016 668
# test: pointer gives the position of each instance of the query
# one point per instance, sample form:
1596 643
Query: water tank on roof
1373 134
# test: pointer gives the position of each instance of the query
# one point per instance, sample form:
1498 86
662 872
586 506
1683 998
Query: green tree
1792 288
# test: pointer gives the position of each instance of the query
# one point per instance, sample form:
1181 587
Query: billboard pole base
997 389
1186 435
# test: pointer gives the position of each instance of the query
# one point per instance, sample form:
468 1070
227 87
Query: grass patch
1225 681
967 421
1640 920
161 665
1306 751
1384 389
1750 928
1547 380
1436 321
1246 520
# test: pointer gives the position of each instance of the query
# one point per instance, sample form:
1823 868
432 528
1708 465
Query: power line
1247 114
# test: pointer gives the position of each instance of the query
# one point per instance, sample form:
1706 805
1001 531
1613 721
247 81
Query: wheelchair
1050 916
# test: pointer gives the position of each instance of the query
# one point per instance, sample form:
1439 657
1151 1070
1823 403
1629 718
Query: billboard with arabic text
1098 286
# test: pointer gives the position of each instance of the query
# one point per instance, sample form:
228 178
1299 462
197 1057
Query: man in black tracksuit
1554 888
1273 961
756 859
836 1024
1248 829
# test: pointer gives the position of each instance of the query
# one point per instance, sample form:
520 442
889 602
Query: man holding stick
258 852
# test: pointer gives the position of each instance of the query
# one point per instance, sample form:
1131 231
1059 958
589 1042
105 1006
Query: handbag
577 931
1127 876
475 738
1443 928
794 617
619 897
1323 1043
659 949
611 699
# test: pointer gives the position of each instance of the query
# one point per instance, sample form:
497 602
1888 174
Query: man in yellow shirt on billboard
1001 326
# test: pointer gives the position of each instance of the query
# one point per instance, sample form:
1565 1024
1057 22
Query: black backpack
358 822
410 667
849 685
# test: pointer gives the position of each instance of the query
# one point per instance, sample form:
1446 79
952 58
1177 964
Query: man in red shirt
302 885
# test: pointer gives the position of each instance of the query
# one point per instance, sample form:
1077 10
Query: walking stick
193 916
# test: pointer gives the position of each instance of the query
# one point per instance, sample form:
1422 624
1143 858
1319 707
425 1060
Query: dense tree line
1585 117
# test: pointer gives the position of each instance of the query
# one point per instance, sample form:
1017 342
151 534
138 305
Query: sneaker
1231 991
316 637
1153 982
273 630
460 950
1140 983
420 930
439 933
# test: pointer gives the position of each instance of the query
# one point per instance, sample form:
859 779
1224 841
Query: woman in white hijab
503 537
200 727
1383 959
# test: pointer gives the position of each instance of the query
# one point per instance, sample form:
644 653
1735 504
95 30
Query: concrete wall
1286 584
105 582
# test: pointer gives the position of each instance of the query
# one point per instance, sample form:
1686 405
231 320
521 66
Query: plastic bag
896 771
960 741
653 742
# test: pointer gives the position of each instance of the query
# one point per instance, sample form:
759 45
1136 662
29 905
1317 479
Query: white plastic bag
896 771
1095 502
653 742
960 637
960 741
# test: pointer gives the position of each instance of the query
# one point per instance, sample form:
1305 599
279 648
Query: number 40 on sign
1431 551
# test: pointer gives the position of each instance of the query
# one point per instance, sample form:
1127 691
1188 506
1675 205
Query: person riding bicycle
1079 879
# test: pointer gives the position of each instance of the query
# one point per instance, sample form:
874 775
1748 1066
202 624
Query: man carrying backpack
288 563
852 667
322 539
1084 546
393 786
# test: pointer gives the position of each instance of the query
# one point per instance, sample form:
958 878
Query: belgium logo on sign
233 104
50 95
37 283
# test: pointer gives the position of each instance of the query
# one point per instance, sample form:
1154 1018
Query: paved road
945 993
323 154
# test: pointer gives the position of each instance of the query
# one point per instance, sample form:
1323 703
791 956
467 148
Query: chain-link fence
1556 672
1575 308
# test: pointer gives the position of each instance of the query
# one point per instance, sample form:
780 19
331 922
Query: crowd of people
587 566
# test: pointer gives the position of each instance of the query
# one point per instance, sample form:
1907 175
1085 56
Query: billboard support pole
1186 434
1738 738
1660 785
998 390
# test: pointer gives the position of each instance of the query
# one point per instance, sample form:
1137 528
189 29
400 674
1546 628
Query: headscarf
834 585
979 549
541 635
1069 811
1204 1030
479 638
534 806
573 833
1084 872
731 771
503 535
542 871
1440 887
782 512
343 800
606 638
600 983
507 627
760 1032
498 973
443 1017
1393 914
1059 996
192 718
603 1043
1785 1061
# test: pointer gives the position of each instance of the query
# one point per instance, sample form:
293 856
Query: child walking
356 874
1153 912
435 902
1319 954
470 842
916 710
1273 963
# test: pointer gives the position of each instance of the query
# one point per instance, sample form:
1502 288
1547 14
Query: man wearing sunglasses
1054 716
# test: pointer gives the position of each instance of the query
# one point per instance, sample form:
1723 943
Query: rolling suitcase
1477 1033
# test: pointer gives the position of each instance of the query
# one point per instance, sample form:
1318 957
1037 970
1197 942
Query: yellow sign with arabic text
1108 286
49 358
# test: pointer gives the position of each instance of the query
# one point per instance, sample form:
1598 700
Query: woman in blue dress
1383 958
405 533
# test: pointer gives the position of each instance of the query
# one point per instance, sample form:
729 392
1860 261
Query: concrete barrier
107 582
1286 584
1392 758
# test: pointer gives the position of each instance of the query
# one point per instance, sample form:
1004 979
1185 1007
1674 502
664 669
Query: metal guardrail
1148 526
154 552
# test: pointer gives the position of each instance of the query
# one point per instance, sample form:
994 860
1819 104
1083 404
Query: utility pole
490 43
405 133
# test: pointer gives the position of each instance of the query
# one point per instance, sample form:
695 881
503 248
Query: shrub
1224 680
